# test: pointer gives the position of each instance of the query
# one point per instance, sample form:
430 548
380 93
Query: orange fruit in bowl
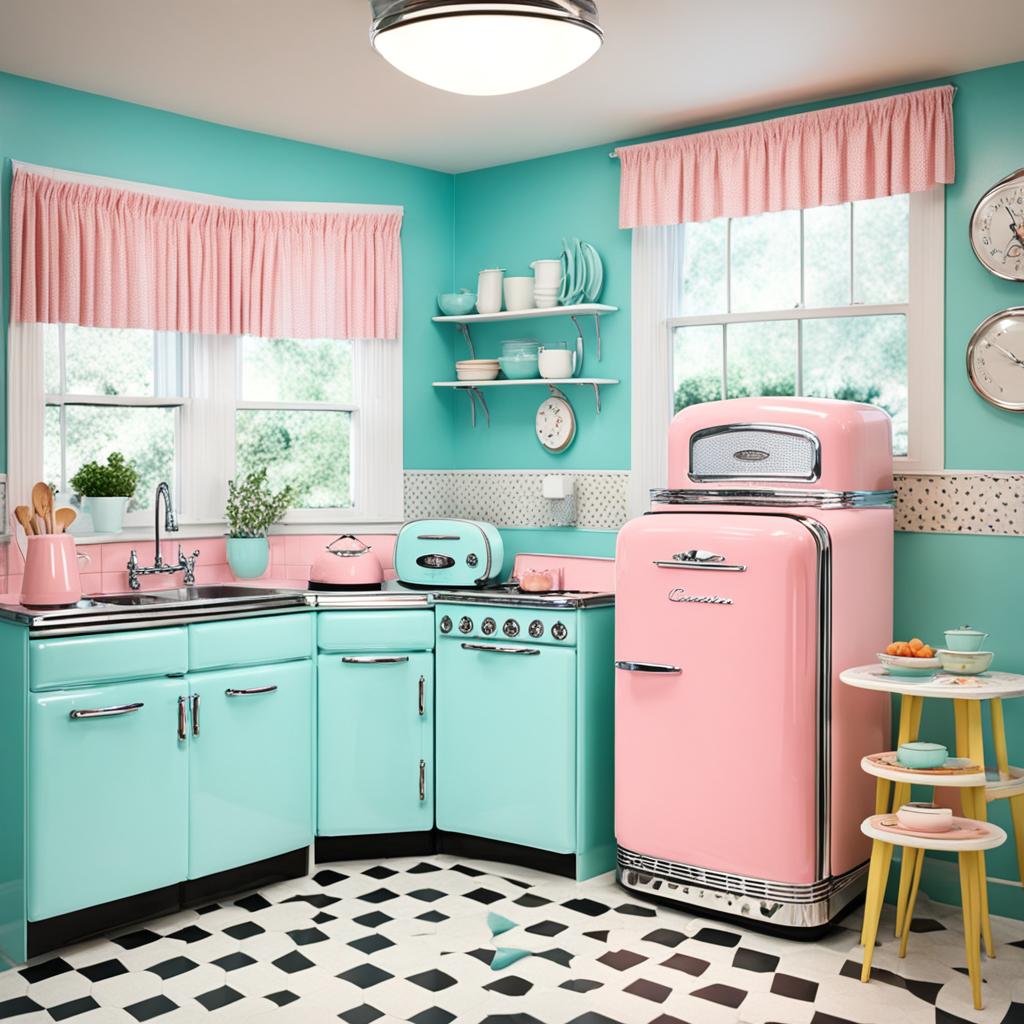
916 644
893 648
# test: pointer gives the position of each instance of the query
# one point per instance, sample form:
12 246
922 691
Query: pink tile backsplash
106 572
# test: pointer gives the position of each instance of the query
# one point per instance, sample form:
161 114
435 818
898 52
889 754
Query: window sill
188 531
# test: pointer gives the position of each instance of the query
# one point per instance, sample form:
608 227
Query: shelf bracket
464 331
474 394
597 331
580 348
597 397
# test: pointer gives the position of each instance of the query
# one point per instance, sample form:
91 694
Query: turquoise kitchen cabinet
375 743
107 793
506 742
250 764
376 631
63 662
258 641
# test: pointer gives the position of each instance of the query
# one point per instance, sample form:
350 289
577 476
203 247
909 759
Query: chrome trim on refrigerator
775 498
767 428
250 693
121 709
493 649
713 566
389 659
649 666
790 906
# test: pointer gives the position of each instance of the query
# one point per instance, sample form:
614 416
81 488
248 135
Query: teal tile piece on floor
505 956
499 924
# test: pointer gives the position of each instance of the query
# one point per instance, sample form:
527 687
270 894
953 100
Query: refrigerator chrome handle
423 780
423 696
649 666
182 724
710 566
121 709
494 649
195 714
249 693
394 659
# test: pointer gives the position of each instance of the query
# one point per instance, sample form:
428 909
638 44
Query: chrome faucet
184 565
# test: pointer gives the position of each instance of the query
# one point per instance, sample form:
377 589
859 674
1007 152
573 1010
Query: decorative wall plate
556 423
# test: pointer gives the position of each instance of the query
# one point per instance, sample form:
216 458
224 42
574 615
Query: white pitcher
488 290
556 363
547 274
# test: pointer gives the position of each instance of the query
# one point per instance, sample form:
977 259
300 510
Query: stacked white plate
477 369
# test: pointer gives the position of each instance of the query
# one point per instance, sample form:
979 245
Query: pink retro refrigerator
758 575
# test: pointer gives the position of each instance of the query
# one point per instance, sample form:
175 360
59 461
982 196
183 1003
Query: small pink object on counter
540 581
51 571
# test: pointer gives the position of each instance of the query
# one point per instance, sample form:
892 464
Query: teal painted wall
57 127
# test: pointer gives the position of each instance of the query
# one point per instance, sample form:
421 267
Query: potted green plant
252 509
105 491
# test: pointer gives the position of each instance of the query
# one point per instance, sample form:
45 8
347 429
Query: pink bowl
51 571
925 817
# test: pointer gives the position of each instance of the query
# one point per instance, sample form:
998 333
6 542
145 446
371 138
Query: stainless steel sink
188 595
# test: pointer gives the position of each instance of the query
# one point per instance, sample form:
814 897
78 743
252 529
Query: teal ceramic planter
107 514
248 556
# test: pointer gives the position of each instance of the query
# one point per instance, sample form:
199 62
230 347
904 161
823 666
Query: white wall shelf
594 309
473 388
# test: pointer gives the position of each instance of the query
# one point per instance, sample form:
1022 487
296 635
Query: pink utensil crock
51 571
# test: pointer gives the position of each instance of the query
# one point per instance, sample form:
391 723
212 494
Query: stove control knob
488 626
465 624
511 628
559 631
445 625
472 560
536 629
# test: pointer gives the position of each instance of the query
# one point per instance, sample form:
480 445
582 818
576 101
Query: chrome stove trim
484 596
775 498
367 599
768 428
755 899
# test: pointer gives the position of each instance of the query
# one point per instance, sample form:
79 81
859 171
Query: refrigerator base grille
752 899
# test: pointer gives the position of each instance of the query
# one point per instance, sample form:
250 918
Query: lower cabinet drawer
107 657
376 631
108 794
255 641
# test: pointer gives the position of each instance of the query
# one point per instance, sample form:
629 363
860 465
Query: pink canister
51 571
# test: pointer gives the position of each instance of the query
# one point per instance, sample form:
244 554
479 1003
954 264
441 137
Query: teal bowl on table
922 756
964 639
457 303
248 557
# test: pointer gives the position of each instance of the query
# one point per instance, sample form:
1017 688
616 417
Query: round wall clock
997 228
556 423
995 359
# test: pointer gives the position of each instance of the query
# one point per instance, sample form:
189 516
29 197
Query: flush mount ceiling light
486 48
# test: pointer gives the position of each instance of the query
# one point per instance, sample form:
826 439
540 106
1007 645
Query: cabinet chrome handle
649 666
121 709
709 566
439 536
423 696
391 659
494 649
181 718
195 714
250 693
423 780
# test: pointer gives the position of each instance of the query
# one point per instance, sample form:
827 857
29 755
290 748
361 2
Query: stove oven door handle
390 659
493 649
649 666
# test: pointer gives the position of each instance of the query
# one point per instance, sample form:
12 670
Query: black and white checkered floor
411 940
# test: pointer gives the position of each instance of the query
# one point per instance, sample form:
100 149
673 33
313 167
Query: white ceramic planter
107 514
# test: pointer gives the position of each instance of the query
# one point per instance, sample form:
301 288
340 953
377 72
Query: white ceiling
304 68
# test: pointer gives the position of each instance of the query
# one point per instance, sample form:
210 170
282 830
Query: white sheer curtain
25 408
656 296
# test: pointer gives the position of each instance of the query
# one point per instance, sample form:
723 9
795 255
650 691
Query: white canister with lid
488 290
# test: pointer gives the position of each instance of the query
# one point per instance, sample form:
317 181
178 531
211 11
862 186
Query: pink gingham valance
104 256
882 147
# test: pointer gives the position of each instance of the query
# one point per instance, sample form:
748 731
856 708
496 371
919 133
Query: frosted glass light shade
487 48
